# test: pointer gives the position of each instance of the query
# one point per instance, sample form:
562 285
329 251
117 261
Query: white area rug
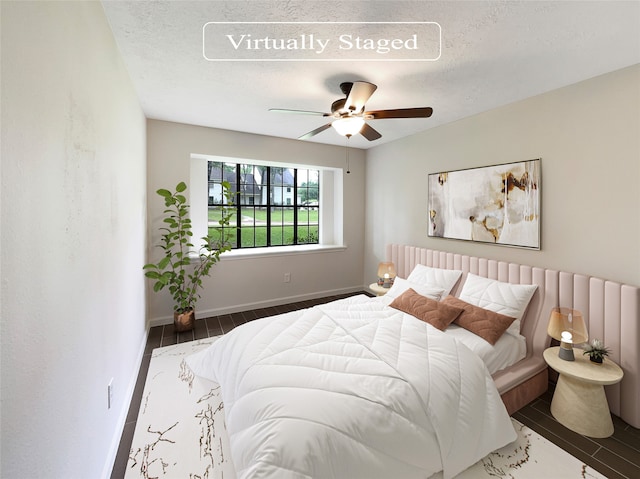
181 433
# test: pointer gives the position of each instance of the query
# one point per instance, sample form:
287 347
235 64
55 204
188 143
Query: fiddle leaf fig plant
182 268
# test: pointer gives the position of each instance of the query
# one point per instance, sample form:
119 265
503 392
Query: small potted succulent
596 351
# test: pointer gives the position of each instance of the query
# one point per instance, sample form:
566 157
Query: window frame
268 202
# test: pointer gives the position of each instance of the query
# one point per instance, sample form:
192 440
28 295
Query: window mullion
238 209
268 206
295 206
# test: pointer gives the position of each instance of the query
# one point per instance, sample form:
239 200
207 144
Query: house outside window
275 206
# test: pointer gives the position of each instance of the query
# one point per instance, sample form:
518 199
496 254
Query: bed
398 386
611 311
352 388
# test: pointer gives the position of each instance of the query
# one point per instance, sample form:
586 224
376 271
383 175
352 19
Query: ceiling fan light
348 126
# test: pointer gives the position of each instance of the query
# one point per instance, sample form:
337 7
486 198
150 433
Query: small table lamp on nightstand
567 326
386 274
386 277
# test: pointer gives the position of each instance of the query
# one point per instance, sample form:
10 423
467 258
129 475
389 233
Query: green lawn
254 230
284 214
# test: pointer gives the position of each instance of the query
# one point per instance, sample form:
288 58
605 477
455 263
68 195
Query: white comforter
352 389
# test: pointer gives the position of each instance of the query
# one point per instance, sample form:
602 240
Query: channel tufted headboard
611 311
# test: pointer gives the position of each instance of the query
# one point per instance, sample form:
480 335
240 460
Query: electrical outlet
110 394
287 277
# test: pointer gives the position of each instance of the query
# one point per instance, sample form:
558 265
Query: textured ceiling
492 53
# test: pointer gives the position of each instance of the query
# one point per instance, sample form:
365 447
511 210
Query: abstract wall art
497 204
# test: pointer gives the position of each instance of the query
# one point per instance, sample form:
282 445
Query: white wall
73 240
237 284
588 136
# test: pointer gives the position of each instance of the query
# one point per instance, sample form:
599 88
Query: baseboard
126 404
259 304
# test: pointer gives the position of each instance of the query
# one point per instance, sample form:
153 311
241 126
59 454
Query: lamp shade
566 320
349 125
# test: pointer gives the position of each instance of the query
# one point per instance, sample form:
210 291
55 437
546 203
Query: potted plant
181 268
596 351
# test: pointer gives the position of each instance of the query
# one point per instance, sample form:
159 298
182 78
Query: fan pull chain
346 145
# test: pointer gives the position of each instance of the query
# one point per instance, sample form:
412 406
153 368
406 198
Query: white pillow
435 277
504 298
401 285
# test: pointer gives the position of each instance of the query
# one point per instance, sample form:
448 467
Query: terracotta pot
184 321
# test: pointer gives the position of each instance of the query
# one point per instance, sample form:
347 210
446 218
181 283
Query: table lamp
567 326
386 274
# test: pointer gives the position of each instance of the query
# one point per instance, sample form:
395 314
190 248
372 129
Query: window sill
279 251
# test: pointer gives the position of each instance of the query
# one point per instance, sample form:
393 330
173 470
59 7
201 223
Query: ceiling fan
349 115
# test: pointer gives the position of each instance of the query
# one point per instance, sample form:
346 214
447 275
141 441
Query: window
274 206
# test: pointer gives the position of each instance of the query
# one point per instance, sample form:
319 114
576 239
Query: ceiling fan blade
399 113
370 133
360 92
299 112
306 136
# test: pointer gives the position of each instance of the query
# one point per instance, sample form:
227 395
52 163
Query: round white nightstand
378 290
579 401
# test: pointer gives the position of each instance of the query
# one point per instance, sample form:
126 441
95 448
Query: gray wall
246 282
588 136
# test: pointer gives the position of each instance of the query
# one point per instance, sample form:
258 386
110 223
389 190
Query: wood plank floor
617 457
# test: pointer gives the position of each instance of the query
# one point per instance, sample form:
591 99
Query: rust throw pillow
436 313
488 325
